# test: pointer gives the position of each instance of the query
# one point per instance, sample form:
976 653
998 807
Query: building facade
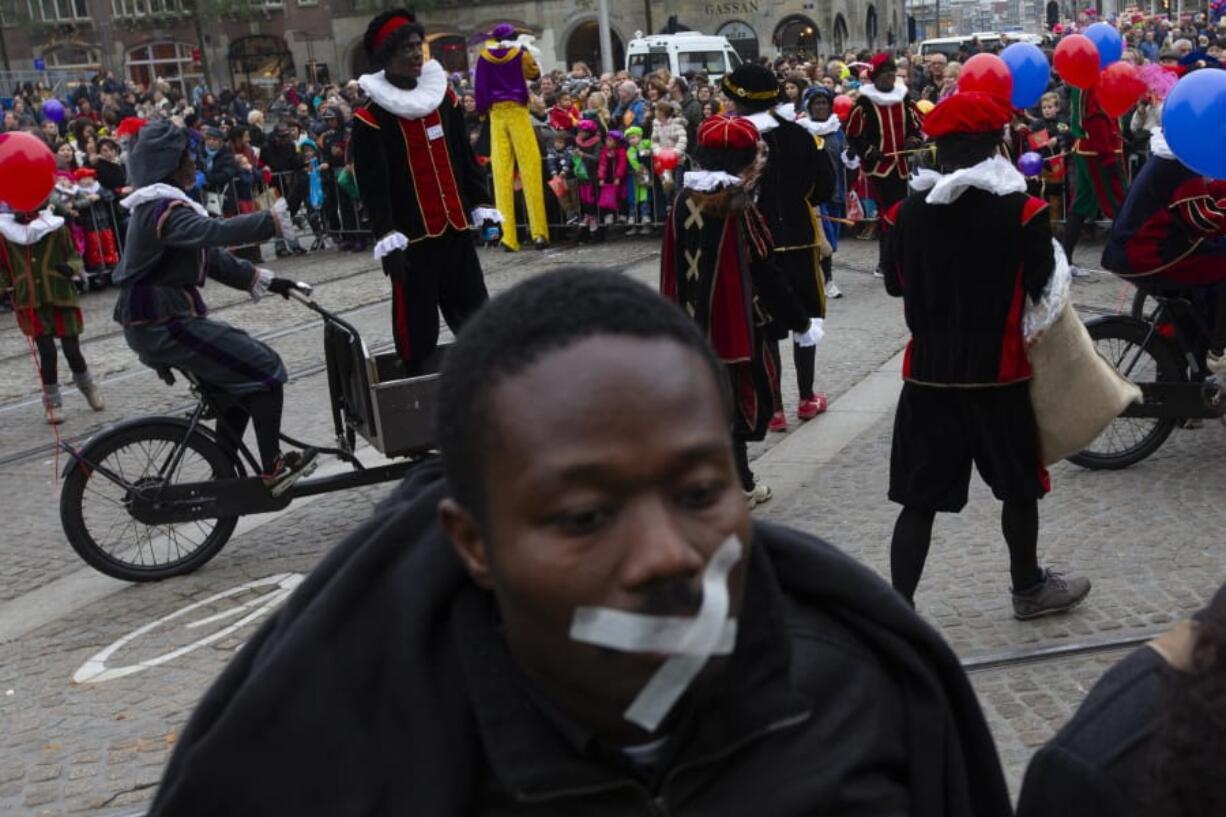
258 45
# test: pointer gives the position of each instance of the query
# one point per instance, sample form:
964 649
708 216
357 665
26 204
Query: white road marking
95 670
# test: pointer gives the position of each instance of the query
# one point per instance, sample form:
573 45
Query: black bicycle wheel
1142 357
94 511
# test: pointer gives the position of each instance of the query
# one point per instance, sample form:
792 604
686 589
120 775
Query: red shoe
813 406
779 422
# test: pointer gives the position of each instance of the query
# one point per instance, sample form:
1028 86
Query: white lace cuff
480 215
850 162
390 243
812 335
263 277
280 214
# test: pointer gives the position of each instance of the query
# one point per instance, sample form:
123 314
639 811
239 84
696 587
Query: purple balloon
53 109
1030 163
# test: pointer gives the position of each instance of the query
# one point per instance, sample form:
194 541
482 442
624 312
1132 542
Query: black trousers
889 190
47 363
444 274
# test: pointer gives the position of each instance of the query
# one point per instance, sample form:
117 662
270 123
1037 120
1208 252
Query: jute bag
1076 392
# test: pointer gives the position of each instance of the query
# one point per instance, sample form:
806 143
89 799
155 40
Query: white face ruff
690 641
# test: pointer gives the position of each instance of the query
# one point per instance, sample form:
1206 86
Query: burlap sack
1076 392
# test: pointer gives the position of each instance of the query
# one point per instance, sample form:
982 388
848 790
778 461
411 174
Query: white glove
390 243
849 161
480 215
280 214
263 277
812 335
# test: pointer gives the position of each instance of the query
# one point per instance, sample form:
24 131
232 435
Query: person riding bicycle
172 246
1171 232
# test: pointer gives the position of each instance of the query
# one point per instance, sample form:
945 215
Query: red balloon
842 106
665 159
27 168
1076 61
1119 88
989 74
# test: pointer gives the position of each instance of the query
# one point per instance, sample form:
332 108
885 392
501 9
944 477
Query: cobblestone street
97 676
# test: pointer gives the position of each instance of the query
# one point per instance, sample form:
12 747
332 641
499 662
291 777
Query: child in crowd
563 112
315 194
612 176
101 251
586 160
559 166
67 202
1049 137
638 157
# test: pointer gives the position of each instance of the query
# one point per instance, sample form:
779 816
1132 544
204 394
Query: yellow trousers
513 144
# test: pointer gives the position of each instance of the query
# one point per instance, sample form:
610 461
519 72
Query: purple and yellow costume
501 87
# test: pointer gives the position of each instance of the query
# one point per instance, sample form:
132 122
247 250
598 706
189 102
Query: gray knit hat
158 150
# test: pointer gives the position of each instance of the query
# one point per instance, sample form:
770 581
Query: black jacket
797 177
385 177
963 270
1098 764
383 687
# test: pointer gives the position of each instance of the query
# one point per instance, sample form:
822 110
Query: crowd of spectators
596 132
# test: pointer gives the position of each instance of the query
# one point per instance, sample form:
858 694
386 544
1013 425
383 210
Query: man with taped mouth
575 615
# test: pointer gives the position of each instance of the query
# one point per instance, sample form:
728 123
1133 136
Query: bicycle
159 496
1161 346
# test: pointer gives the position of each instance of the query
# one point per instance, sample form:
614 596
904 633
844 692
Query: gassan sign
725 9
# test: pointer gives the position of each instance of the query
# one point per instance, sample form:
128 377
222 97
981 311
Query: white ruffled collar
159 190
887 98
763 120
787 110
704 181
26 234
412 103
821 128
1158 145
995 175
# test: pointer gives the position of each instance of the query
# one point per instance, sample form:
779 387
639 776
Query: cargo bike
159 496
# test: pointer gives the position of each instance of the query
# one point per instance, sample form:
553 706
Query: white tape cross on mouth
690 641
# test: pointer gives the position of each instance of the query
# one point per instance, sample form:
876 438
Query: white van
681 53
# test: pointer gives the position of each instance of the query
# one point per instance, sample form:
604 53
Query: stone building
259 44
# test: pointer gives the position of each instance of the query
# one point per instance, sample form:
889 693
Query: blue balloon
1194 122
53 109
1030 73
1108 41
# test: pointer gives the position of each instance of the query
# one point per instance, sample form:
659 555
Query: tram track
92 339
1006 659
294 375
311 323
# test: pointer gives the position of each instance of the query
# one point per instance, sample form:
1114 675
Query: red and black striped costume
716 264
419 177
1171 230
964 270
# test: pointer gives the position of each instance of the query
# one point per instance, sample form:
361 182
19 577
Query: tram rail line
1055 652
34 452
92 338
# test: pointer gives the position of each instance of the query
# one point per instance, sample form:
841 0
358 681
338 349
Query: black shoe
540 244
283 253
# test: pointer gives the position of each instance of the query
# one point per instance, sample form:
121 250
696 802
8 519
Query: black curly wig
379 56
